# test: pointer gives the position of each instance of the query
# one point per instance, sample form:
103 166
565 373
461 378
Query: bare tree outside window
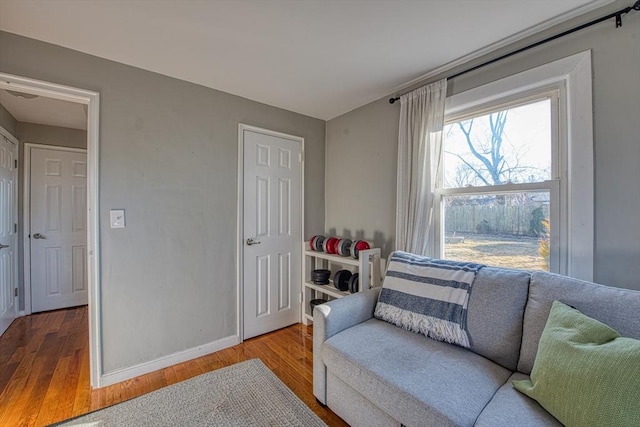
511 146
508 146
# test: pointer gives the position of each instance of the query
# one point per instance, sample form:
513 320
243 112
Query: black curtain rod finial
397 98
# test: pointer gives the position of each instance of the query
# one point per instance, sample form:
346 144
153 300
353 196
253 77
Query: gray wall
363 144
168 155
40 134
51 135
360 174
7 121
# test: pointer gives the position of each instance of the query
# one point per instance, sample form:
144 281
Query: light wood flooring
44 369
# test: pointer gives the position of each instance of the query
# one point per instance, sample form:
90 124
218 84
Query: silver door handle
250 242
3 246
38 236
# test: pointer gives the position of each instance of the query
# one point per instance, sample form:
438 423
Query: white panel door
272 232
58 229
8 235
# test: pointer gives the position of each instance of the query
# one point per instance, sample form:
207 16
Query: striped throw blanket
428 296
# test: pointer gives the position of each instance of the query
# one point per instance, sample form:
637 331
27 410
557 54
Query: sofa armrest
332 318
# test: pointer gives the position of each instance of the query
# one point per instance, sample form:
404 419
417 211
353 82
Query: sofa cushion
617 308
416 380
585 373
511 408
494 317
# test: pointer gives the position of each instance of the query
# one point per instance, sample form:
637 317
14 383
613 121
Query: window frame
568 82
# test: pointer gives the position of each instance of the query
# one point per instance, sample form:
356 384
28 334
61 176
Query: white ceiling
319 58
45 111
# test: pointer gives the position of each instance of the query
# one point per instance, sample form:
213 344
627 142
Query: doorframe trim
26 213
4 132
92 100
240 212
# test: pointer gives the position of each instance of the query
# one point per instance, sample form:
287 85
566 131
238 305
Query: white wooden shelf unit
367 266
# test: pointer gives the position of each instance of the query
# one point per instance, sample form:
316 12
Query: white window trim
572 77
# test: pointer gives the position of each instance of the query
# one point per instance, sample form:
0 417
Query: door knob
38 236
3 246
250 242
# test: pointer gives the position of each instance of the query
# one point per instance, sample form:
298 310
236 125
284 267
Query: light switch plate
117 218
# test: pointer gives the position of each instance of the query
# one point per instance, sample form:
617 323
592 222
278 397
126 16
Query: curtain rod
617 15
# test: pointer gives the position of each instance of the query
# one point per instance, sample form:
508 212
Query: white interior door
272 232
58 220
8 234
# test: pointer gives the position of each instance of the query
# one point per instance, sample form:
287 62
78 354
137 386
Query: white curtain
419 161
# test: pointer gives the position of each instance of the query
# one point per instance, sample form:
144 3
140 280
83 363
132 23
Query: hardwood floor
44 369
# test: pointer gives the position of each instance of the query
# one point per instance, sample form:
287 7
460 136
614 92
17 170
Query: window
513 185
497 184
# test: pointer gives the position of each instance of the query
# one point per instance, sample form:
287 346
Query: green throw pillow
585 373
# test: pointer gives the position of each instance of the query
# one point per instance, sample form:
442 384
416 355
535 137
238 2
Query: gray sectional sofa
372 373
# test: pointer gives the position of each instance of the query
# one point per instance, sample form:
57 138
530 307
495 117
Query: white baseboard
124 374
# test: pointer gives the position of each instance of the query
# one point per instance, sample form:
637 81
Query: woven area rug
245 394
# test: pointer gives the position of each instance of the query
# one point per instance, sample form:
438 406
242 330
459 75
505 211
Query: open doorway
58 137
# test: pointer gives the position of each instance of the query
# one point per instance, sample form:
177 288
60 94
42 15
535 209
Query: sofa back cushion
617 308
495 312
